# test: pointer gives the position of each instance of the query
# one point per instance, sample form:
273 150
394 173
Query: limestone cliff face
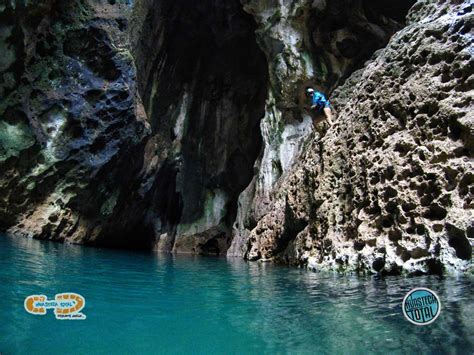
389 187
72 124
222 157
318 44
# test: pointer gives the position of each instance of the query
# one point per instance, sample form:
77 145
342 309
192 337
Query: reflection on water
150 303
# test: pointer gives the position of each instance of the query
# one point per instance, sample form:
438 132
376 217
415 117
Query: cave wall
203 81
180 126
306 43
71 122
389 187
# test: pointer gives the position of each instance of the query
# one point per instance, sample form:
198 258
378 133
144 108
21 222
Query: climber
319 103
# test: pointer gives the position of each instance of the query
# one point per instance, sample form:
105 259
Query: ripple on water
149 303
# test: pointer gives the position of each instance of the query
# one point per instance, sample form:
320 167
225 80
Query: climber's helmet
309 92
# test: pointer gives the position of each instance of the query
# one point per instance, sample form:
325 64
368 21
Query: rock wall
72 124
306 43
203 81
389 187
222 156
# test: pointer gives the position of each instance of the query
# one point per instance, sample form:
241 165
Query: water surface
144 303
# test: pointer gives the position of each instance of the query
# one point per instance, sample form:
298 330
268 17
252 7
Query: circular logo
421 306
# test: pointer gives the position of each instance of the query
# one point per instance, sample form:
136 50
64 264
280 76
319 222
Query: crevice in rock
13 51
203 81
458 241
344 34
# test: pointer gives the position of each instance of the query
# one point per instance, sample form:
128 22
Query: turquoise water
143 303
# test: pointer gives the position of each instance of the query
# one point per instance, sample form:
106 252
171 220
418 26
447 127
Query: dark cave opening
396 10
203 80
346 34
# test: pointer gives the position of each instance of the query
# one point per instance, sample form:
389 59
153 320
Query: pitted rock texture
223 157
306 43
72 125
389 187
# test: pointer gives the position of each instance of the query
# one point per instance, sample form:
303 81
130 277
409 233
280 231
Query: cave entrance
203 80
396 10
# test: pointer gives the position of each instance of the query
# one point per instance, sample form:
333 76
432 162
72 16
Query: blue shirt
320 101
